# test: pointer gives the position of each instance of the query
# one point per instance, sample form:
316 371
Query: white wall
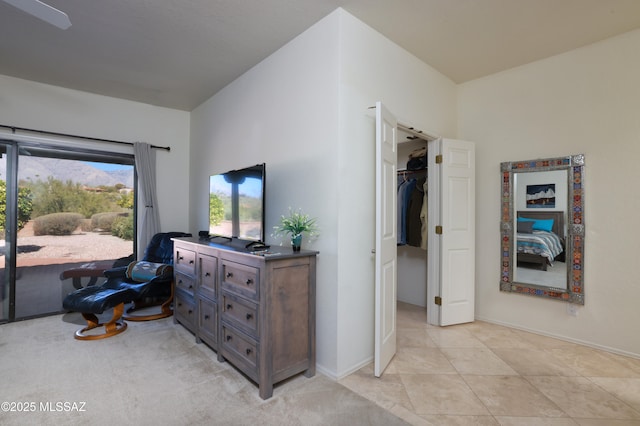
373 69
303 111
584 101
283 112
39 106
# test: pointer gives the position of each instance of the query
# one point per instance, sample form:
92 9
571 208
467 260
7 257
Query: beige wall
44 107
304 111
282 112
584 101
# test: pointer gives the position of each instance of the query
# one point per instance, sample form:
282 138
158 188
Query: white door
451 257
386 239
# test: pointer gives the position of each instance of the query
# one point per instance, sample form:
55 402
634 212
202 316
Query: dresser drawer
239 346
241 279
207 321
240 312
208 272
185 283
185 310
184 260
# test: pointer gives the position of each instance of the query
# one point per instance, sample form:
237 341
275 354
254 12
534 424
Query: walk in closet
412 176
439 275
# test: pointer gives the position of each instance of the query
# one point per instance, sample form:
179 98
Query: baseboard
338 376
563 338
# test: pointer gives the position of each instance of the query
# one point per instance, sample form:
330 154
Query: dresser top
237 246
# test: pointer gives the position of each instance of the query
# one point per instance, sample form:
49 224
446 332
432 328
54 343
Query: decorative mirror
542 228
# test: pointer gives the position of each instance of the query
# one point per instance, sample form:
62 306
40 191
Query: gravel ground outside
82 246
77 247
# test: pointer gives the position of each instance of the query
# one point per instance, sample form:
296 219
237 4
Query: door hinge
438 300
439 159
439 230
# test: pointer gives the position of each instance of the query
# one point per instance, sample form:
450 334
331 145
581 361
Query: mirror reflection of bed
540 248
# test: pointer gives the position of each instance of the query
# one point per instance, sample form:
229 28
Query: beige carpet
153 374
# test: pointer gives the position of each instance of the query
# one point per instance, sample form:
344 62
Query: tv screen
236 204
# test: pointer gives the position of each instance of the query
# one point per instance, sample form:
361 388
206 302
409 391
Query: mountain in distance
548 194
34 168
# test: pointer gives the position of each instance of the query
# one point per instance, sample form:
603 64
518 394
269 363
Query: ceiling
177 54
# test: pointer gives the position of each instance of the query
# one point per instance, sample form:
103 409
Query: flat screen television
236 204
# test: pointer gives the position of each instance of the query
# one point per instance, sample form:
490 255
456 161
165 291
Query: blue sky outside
251 187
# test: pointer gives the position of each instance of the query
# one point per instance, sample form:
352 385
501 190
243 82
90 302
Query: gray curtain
146 167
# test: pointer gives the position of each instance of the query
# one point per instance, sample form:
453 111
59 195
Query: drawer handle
206 317
180 282
249 316
190 311
191 262
229 274
229 338
190 286
248 351
249 281
180 257
229 306
206 274
179 304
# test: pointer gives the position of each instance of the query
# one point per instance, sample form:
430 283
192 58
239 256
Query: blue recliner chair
144 283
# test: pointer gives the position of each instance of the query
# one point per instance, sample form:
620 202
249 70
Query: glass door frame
11 147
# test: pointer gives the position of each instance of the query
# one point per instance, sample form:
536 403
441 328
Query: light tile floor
486 374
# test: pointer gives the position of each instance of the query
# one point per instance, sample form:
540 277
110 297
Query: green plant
297 223
122 227
55 196
126 200
25 206
216 209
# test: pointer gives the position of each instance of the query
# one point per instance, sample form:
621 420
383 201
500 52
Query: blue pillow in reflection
539 224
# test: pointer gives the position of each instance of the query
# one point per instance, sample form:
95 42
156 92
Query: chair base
165 311
112 327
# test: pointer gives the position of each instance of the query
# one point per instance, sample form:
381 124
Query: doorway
413 244
63 208
450 233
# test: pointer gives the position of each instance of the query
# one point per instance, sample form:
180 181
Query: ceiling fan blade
42 11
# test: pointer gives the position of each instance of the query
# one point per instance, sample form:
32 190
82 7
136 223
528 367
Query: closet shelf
411 171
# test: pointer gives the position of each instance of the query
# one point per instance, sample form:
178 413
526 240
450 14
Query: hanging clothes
405 189
423 215
414 209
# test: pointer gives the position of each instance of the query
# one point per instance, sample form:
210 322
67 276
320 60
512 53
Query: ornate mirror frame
574 244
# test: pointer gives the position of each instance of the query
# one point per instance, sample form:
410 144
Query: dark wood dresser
257 311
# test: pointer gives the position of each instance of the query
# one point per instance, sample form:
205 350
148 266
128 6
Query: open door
386 239
451 257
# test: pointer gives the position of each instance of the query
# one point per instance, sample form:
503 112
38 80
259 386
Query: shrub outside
123 227
104 221
57 223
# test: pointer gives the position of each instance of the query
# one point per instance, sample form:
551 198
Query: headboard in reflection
542 228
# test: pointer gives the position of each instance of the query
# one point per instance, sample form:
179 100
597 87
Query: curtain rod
24 129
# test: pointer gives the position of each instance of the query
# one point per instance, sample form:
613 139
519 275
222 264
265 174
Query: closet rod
67 135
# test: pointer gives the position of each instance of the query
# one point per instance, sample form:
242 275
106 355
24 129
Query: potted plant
294 225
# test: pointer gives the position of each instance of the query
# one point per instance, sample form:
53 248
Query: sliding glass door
5 278
70 209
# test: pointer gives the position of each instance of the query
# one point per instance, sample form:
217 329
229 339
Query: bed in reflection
540 238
